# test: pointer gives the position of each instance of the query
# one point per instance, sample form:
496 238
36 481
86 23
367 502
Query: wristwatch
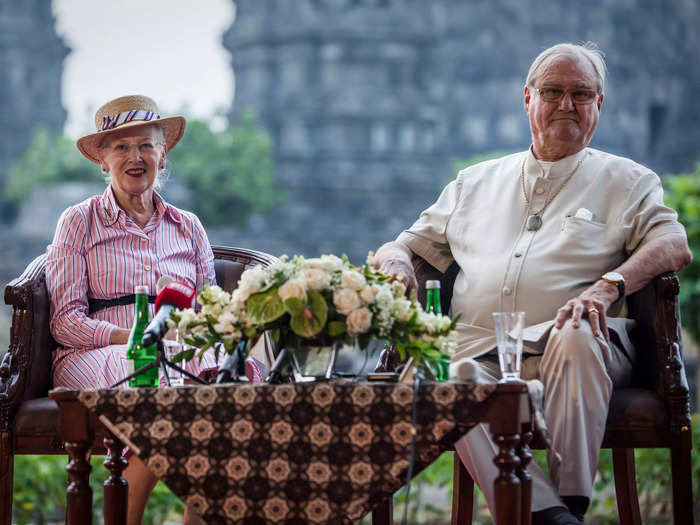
616 279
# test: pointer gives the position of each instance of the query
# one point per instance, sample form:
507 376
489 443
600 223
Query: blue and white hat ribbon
112 121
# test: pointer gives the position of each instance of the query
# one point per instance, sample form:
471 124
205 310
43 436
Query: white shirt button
539 191
518 254
507 291
147 267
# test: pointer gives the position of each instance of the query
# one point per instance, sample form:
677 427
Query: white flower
346 300
353 280
316 279
369 293
370 259
384 298
292 288
328 263
398 288
401 308
359 321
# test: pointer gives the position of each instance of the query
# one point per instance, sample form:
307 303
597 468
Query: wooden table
245 452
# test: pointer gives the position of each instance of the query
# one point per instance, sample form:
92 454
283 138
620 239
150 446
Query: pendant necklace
534 218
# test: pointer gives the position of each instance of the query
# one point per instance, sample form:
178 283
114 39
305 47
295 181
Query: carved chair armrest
19 294
673 384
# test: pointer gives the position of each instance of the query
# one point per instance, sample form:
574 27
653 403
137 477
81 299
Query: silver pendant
534 222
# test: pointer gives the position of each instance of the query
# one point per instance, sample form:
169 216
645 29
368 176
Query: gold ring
593 310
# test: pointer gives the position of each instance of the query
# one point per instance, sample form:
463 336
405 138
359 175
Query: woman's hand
593 303
120 336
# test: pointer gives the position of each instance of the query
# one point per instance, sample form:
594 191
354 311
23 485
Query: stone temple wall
31 61
370 101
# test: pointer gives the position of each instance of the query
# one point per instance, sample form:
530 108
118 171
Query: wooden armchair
29 419
653 412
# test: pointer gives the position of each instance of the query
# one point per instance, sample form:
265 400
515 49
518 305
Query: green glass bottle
137 355
432 302
440 368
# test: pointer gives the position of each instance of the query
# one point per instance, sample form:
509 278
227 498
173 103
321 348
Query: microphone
230 370
174 295
164 281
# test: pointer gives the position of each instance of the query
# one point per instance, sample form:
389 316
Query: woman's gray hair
587 51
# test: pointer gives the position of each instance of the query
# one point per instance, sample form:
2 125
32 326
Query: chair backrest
25 372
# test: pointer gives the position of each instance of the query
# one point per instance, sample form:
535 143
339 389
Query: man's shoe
578 505
555 516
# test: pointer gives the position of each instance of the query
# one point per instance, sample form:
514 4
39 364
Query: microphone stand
233 368
160 360
281 368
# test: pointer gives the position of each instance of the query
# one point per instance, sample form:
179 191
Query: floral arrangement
323 299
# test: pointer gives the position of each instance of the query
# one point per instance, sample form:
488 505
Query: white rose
292 288
359 321
328 263
353 280
316 279
346 300
369 293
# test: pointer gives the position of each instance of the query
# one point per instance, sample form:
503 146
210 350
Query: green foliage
230 173
49 159
40 492
683 195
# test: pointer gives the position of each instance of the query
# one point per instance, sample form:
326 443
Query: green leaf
265 307
311 319
336 328
294 305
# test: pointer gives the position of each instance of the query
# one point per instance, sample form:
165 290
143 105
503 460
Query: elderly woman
108 244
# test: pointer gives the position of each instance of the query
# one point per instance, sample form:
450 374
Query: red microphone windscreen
176 293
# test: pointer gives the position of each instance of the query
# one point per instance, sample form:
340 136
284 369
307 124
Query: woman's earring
105 170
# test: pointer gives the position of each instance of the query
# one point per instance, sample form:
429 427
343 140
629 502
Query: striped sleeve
206 275
67 284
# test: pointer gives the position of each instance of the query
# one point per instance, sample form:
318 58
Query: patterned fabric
111 121
99 252
302 453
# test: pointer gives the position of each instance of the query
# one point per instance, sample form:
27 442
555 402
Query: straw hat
127 112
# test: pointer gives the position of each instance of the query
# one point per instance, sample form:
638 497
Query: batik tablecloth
301 453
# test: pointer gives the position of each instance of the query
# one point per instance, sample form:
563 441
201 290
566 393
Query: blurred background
326 126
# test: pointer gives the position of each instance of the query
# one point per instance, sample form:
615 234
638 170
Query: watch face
613 276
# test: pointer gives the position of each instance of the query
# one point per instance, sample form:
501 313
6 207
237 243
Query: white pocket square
583 213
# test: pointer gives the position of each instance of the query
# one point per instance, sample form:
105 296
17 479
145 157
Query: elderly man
563 232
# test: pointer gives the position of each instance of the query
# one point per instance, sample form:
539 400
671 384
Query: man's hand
395 259
402 272
593 303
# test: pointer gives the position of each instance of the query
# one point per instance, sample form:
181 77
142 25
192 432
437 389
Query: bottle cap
141 289
432 284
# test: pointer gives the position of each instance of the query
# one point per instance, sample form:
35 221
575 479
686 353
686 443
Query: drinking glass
172 347
509 336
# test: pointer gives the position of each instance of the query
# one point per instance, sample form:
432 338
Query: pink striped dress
99 252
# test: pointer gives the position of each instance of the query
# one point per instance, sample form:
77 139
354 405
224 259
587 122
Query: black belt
95 305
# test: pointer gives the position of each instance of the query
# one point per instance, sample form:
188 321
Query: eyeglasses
579 96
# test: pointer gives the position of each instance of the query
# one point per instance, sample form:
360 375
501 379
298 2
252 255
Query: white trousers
578 371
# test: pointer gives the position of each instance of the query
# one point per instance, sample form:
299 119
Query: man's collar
111 210
560 168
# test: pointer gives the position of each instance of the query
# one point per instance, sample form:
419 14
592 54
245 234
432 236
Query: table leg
383 514
78 493
116 489
525 456
507 484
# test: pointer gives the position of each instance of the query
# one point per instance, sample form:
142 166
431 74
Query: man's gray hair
579 52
